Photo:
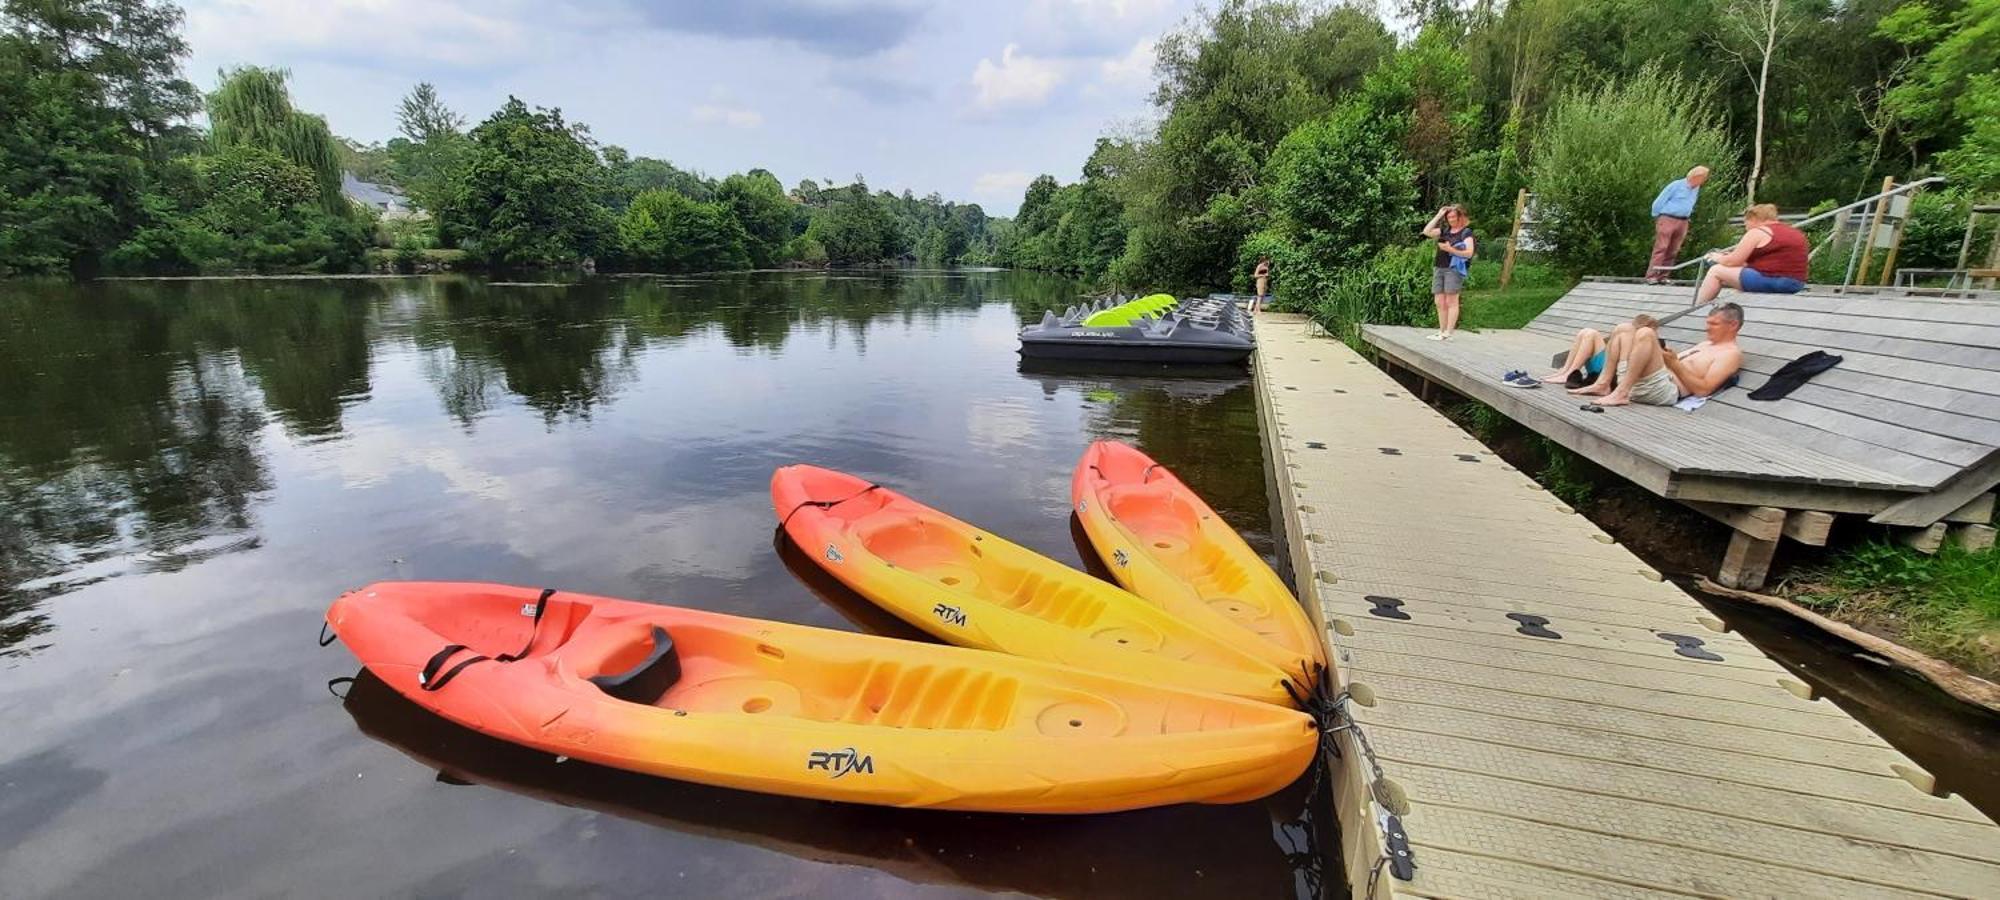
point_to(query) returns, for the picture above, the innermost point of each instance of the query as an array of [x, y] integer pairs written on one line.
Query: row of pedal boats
[[1210, 330], [1054, 691]]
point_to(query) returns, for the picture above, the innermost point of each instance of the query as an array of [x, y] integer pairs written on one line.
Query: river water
[[190, 471]]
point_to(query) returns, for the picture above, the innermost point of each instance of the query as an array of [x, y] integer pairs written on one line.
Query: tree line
[[103, 170], [1313, 134]]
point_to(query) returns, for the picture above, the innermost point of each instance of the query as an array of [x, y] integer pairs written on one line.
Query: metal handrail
[[1801, 224], [1870, 199], [1812, 219]]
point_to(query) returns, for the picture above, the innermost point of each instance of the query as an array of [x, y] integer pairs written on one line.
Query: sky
[[970, 100]]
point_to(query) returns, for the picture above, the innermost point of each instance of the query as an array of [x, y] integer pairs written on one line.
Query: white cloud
[[1095, 27], [412, 34], [734, 117], [1008, 185], [1017, 80], [1100, 13], [1134, 68]]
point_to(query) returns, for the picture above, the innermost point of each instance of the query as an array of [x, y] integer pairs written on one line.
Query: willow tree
[[253, 107]]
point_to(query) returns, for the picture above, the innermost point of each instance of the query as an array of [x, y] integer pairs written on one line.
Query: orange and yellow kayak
[[970, 588], [1163, 543], [808, 712]]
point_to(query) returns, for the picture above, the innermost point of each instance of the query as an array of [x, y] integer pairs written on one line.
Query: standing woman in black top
[[1452, 231]]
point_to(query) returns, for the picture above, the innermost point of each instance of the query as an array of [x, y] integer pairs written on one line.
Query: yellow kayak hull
[[967, 587], [1163, 543]]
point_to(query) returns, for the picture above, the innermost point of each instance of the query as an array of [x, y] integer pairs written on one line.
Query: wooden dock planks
[[1599, 764]]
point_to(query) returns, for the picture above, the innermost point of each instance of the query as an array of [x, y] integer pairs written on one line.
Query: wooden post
[[1875, 224], [1992, 255], [1747, 562], [1926, 540], [1973, 538], [1896, 241], [1965, 245], [1514, 238]]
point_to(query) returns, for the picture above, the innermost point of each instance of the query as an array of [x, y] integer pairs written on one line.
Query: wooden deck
[[1906, 430], [1601, 763]]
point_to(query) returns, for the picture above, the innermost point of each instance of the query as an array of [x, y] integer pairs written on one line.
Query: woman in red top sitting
[[1770, 259]]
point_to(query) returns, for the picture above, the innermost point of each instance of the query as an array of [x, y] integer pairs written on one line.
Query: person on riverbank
[[1452, 230], [1591, 352], [1646, 373], [1671, 211], [1262, 275], [1772, 258]]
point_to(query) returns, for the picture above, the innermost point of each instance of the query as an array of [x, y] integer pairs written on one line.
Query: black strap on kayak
[[1142, 472], [430, 680], [326, 637], [825, 504], [541, 605]]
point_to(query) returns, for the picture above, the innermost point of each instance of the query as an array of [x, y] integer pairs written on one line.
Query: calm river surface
[[191, 471]]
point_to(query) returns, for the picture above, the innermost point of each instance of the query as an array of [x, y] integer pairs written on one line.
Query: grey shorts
[[1446, 280], [1656, 389]]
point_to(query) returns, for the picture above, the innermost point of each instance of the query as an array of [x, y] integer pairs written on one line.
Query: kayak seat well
[[641, 670], [1170, 528], [1156, 515], [931, 551]]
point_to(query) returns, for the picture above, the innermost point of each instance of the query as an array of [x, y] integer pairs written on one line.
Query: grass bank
[[1946, 605], [1484, 304]]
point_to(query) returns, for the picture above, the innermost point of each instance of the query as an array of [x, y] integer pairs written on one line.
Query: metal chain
[[1337, 714], [1374, 875]]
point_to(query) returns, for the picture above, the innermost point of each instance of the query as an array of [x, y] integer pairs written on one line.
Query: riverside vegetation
[[1305, 131], [103, 171]]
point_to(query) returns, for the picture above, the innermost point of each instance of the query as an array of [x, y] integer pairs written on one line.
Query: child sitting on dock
[[1591, 349]]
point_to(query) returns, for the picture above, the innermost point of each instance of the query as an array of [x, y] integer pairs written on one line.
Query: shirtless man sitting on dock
[[1638, 371]]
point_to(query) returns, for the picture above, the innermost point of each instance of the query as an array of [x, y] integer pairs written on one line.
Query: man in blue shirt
[[1671, 211]]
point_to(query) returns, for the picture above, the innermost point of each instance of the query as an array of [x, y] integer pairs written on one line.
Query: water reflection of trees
[[128, 428], [553, 346], [133, 409], [1203, 428], [305, 342], [567, 349]]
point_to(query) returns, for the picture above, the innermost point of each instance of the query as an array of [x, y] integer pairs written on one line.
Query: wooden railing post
[[1896, 240], [1513, 238], [1874, 225]]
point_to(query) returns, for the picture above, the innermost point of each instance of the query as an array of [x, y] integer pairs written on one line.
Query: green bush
[[528, 191], [664, 231], [1975, 162], [1340, 191], [1392, 289], [244, 209], [1936, 228], [403, 231], [1604, 153], [1570, 477]]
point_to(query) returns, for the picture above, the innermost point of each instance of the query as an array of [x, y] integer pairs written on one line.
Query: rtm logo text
[[951, 615], [840, 762]]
